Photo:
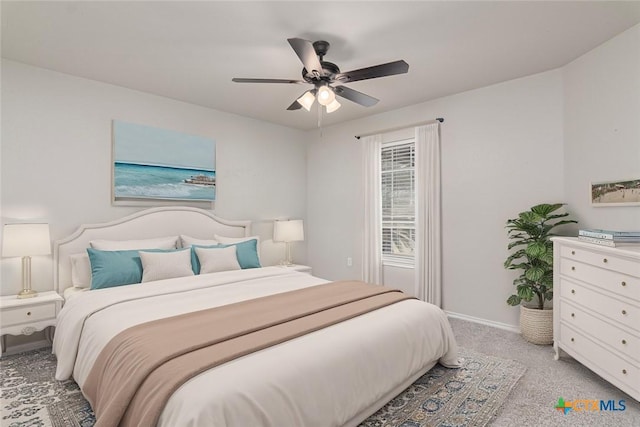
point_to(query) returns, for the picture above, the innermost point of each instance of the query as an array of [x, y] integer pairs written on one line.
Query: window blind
[[398, 200]]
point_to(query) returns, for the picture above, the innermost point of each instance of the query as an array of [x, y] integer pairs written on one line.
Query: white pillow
[[213, 260], [228, 240], [188, 241], [165, 265], [170, 242], [80, 270]]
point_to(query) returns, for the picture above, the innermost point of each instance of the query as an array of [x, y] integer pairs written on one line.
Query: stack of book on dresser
[[609, 237]]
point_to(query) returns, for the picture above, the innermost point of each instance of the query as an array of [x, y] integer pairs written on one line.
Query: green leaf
[[522, 265], [513, 300], [545, 209], [534, 274], [536, 250], [547, 281], [525, 292], [514, 244], [547, 258]]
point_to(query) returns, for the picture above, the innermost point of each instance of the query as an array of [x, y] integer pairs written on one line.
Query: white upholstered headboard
[[146, 224]]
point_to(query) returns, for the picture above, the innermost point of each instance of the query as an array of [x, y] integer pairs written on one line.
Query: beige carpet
[[532, 402]]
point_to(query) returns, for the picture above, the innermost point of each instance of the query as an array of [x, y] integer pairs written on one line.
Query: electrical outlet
[[349, 261]]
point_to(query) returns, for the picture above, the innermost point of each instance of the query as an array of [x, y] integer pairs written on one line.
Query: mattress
[[332, 377]]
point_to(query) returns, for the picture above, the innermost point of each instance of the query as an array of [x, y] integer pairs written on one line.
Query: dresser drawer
[[621, 370], [621, 284], [17, 315], [601, 259], [623, 312], [613, 337]]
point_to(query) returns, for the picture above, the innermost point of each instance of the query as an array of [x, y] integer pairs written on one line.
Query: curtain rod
[[428, 122]]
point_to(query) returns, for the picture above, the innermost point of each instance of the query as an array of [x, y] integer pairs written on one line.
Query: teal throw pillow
[[117, 268], [114, 268]]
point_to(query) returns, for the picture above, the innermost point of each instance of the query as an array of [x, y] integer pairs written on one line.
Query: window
[[398, 200]]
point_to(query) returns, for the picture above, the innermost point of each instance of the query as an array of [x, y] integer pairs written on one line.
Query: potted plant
[[530, 235]]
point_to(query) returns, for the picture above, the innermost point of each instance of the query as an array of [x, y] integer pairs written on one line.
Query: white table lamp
[[288, 231], [25, 240]]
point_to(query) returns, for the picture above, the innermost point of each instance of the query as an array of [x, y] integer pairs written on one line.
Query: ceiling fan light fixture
[[333, 106], [306, 100], [323, 74], [326, 95]]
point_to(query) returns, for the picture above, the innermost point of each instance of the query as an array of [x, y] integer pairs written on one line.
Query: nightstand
[[298, 267], [26, 316]]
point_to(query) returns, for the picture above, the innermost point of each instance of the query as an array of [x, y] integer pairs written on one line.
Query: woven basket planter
[[536, 325]]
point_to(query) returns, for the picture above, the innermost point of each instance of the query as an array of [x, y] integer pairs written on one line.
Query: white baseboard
[[19, 348], [486, 322]]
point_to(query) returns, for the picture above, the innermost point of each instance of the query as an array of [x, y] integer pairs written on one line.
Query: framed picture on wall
[[154, 166], [616, 193]]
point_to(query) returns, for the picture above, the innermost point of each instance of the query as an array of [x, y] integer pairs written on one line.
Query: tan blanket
[[138, 371]]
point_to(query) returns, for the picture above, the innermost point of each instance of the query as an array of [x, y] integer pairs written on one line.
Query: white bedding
[[333, 377]]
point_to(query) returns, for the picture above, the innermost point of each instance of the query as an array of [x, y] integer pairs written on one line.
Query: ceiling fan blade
[[307, 54], [382, 70], [241, 80], [355, 96], [295, 106]]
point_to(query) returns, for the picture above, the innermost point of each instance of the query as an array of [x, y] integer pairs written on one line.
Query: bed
[[334, 376]]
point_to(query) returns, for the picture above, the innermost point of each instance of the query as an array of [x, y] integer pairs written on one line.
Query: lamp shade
[[306, 100], [325, 95], [333, 106], [25, 240], [288, 231]]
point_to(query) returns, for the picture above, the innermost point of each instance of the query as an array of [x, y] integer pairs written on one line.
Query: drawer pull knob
[[573, 268], [573, 291], [573, 315], [624, 371], [624, 311], [572, 339], [624, 341], [28, 313], [624, 283], [604, 260], [573, 252]]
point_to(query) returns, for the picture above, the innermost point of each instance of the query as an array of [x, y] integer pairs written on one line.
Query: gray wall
[[505, 147], [602, 127], [492, 142], [56, 159]]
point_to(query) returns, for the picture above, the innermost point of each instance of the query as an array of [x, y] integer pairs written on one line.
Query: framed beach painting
[[616, 193], [154, 166]]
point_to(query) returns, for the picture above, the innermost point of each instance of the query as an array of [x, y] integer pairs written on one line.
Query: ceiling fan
[[323, 75]]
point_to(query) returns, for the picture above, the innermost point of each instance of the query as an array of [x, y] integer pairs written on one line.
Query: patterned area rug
[[468, 396]]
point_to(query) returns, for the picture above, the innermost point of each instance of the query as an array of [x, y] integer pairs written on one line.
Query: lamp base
[[27, 293], [285, 263]]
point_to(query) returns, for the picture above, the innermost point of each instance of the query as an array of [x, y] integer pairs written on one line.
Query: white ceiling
[[189, 51]]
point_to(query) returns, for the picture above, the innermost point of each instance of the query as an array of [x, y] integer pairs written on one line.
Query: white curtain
[[428, 246], [372, 241]]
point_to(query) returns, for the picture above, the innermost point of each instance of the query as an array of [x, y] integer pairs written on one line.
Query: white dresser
[[596, 309]]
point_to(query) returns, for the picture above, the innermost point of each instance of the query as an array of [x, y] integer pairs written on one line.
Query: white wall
[[602, 127], [501, 154], [56, 158]]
